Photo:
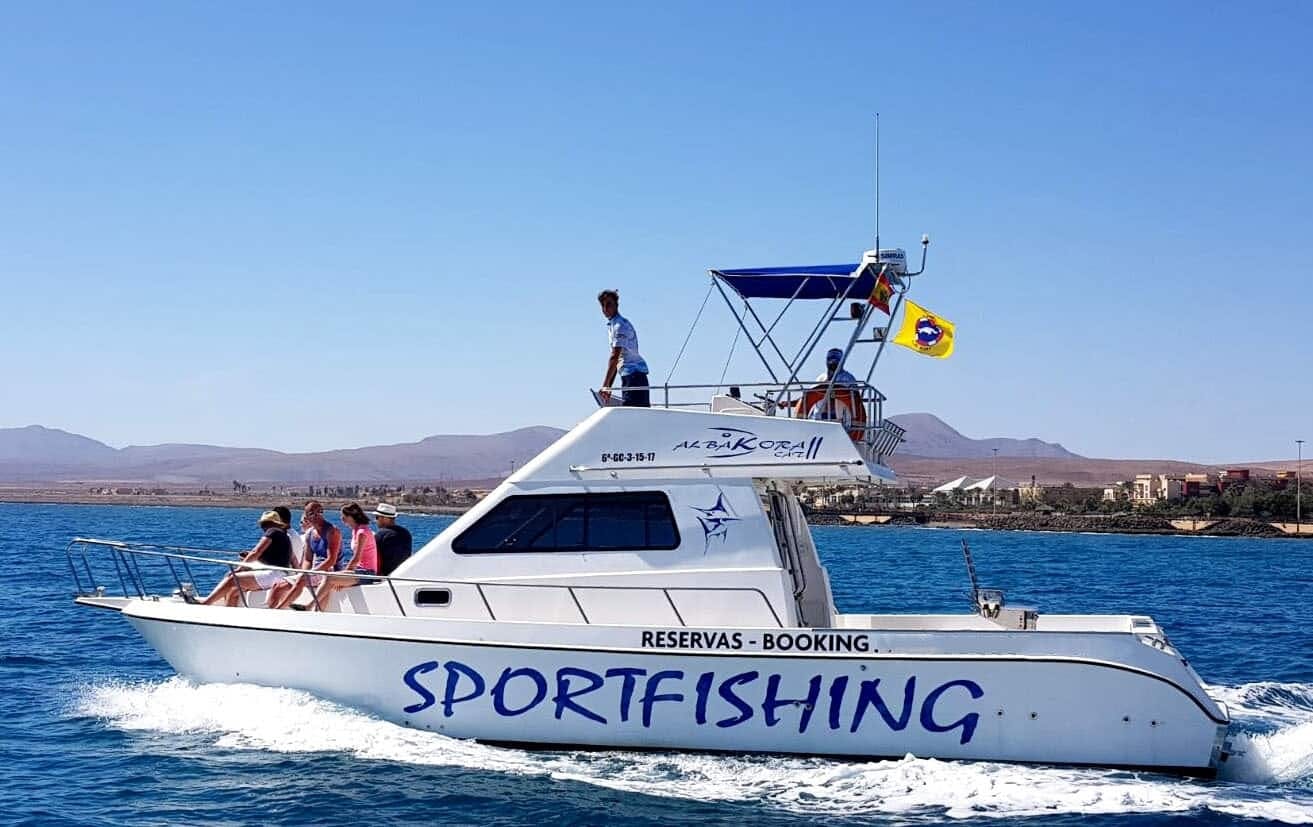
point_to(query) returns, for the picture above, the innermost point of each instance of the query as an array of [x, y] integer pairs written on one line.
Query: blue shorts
[[636, 393]]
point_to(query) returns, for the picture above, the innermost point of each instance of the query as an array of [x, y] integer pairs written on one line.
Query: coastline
[[254, 501], [1016, 521], [1077, 524]]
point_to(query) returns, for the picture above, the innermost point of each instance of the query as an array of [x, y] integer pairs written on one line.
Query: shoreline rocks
[[1094, 523]]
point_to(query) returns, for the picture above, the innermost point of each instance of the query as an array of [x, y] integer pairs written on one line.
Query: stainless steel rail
[[880, 436], [126, 555]]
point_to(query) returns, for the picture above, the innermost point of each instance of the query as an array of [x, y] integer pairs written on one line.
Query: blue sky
[[317, 225]]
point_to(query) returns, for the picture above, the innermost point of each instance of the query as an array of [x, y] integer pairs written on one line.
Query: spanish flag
[[924, 332], [881, 293]]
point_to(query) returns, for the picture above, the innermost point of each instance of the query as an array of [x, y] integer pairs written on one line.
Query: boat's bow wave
[[1275, 747]]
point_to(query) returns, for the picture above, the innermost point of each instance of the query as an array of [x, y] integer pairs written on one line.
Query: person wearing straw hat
[[274, 549], [323, 542], [394, 541]]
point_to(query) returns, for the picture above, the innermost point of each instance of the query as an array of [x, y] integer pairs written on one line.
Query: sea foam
[[1268, 776]]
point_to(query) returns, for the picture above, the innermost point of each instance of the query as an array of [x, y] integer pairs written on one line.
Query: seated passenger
[[296, 537], [274, 549], [832, 373], [841, 379], [364, 555], [393, 541], [324, 543]]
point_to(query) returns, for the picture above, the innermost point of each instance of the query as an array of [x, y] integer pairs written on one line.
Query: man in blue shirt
[[625, 359]]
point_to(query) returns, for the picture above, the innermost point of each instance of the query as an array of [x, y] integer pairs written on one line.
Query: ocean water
[[95, 729]]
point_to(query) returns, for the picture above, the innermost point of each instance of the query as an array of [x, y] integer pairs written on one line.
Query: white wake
[[1269, 777]]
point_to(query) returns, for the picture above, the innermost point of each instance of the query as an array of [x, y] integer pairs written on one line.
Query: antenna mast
[[877, 186]]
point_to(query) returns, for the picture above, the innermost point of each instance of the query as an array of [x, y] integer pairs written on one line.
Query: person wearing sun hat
[[274, 549], [394, 541]]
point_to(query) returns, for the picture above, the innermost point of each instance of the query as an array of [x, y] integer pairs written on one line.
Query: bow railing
[[170, 571]]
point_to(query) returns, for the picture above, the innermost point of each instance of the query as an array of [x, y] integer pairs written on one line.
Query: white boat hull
[[998, 707]]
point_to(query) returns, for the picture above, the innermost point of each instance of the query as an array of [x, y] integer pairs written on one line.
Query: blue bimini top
[[816, 281]]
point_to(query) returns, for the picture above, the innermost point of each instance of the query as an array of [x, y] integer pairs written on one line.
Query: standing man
[[625, 359], [394, 542]]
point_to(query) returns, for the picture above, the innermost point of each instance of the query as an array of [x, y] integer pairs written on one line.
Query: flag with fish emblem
[[924, 332], [881, 293]]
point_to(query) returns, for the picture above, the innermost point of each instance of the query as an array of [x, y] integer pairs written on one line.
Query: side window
[[633, 521], [517, 523], [616, 524]]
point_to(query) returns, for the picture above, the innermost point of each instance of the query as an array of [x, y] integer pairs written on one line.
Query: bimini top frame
[[830, 286]]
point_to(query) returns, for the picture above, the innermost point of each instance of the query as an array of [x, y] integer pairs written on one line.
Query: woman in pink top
[[364, 555]]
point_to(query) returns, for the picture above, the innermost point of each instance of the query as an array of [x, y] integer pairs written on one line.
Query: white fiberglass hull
[[871, 704]]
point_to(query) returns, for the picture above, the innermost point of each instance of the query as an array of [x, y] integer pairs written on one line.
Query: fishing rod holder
[[992, 604]]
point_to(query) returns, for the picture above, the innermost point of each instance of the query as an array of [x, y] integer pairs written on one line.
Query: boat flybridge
[[649, 581]]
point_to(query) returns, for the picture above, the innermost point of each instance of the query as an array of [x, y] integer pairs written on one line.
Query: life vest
[[846, 407]]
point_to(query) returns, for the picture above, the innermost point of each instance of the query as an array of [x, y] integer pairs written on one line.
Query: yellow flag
[[924, 332]]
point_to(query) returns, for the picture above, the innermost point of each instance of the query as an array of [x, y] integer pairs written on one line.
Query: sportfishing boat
[[650, 581]]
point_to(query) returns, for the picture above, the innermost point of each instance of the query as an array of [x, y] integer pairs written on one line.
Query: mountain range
[[931, 437], [39, 454]]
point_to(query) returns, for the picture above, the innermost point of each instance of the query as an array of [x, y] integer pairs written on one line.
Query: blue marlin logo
[[715, 521]]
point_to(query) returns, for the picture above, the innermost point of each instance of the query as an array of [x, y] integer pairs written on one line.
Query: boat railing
[[174, 573], [879, 436]]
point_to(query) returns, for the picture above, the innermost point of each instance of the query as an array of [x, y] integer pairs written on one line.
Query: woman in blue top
[[323, 540]]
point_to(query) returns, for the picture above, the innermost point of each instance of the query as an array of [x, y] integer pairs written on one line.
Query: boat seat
[[721, 403]]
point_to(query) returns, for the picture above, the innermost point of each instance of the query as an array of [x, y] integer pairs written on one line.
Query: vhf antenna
[[877, 187]]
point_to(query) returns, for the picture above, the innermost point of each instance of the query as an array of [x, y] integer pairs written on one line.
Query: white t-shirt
[[621, 334], [843, 377], [298, 548]]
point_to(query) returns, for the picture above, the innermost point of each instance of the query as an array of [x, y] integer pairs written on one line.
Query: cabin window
[[629, 521]]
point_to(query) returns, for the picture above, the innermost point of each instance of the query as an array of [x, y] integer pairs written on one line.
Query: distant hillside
[[50, 446], [931, 437], [934, 452], [35, 454]]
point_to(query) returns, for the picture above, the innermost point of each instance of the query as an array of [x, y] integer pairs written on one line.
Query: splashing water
[[1273, 748], [1274, 744]]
